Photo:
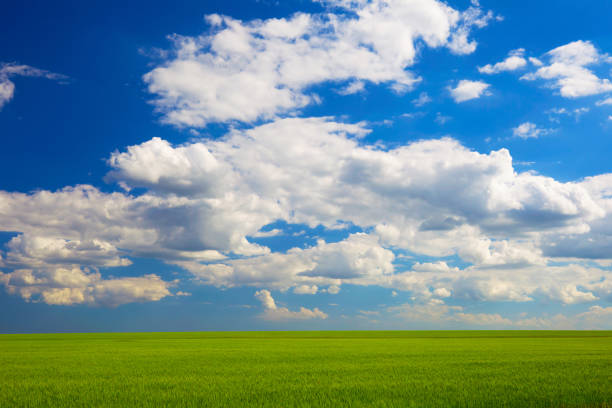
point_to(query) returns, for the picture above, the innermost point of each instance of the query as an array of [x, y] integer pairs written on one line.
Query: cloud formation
[[568, 70], [515, 60], [274, 312], [358, 258], [8, 70], [430, 221], [201, 203], [277, 60], [423, 99], [73, 285], [467, 90], [528, 130]]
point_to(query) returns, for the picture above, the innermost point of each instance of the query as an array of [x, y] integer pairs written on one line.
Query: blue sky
[[332, 164]]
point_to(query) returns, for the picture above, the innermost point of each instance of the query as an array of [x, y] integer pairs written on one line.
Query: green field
[[288, 369]]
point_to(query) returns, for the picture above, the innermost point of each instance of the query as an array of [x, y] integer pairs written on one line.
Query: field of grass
[[303, 369]]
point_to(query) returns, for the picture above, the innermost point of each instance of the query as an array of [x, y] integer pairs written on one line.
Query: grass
[[304, 369]]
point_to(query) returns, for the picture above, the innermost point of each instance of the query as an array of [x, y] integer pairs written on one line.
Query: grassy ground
[[303, 369]]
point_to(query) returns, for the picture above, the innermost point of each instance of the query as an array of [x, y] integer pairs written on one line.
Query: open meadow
[[302, 369]]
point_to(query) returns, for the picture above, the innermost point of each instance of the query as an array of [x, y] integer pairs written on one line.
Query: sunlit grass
[[302, 369]]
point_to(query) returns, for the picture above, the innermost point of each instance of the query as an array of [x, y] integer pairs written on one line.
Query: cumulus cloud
[[306, 290], [528, 130], [467, 90], [69, 286], [569, 284], [437, 312], [596, 312], [515, 60], [33, 251], [568, 70], [518, 236], [342, 179], [358, 258], [442, 292], [274, 312], [8, 70], [199, 203], [50, 270], [277, 60], [596, 242]]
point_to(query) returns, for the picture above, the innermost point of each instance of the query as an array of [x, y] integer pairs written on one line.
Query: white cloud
[[35, 251], [423, 99], [332, 290], [267, 234], [358, 258], [568, 71], [353, 88], [569, 284], [569, 294], [306, 290], [528, 130], [536, 61], [439, 266], [202, 200], [442, 292], [607, 101], [278, 59], [7, 87], [514, 61], [596, 312], [68, 286], [596, 242], [211, 195], [578, 53], [467, 90], [273, 312], [437, 312], [266, 299]]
